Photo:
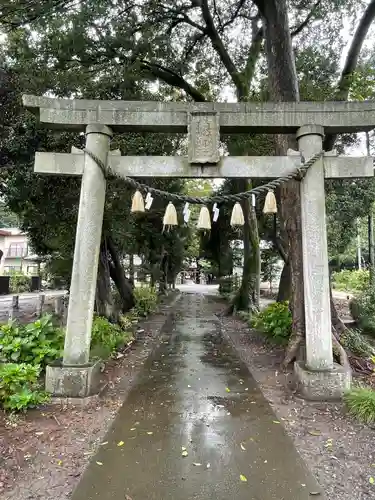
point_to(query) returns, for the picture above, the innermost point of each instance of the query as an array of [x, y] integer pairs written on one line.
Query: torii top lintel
[[267, 117]]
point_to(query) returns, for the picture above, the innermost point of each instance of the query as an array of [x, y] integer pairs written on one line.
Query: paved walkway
[[195, 398]]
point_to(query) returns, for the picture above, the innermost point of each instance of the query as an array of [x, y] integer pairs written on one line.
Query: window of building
[[17, 249], [32, 269], [10, 269]]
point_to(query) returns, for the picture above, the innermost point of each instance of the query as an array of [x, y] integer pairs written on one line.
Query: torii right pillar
[[319, 378]]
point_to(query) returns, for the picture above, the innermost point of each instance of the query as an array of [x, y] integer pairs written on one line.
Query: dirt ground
[[43, 454], [338, 450]]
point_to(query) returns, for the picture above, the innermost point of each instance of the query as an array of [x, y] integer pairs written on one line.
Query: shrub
[[353, 340], [361, 404], [19, 388], [38, 343], [275, 321], [146, 299], [19, 283], [347, 280], [363, 310], [106, 337], [228, 285]]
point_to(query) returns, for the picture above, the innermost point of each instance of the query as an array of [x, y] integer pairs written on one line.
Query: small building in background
[[17, 254]]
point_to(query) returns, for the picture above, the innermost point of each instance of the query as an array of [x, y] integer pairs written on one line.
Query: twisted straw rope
[[299, 173]]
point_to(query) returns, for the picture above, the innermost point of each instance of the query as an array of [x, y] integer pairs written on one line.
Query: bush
[[106, 337], [146, 299], [19, 283], [363, 310], [354, 281], [37, 343], [228, 285], [353, 340], [361, 404], [19, 388], [275, 321]]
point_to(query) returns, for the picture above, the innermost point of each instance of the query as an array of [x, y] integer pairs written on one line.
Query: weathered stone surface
[[40, 304], [322, 385], [203, 137], [315, 254], [86, 251], [265, 167], [284, 117], [73, 381]]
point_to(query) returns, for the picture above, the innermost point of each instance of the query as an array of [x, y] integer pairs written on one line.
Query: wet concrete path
[[195, 398]]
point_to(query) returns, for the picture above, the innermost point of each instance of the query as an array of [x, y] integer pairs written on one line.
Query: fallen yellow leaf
[[243, 478], [314, 433], [184, 453], [99, 463], [242, 447], [120, 443], [150, 433], [196, 464], [133, 429], [276, 422], [183, 448], [227, 389], [372, 480], [59, 462]]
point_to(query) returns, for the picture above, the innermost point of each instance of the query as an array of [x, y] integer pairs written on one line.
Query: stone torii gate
[[319, 376]]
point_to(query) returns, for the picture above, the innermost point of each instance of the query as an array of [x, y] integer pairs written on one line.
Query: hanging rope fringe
[[270, 204], [237, 218], [296, 174], [138, 204], [204, 221], [170, 216]]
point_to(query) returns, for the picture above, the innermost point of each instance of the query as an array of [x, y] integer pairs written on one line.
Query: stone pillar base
[[73, 381], [322, 385]]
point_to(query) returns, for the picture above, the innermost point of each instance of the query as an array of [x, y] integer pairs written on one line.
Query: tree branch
[[221, 51], [351, 62], [295, 31], [171, 78]]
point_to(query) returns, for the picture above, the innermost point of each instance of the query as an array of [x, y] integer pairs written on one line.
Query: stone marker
[[14, 307], [319, 378], [40, 305]]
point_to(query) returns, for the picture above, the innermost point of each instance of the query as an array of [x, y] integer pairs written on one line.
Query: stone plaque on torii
[[320, 377]]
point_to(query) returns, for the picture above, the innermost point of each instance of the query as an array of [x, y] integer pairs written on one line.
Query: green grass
[[361, 404]]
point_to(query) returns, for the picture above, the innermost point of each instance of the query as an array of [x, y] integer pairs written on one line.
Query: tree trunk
[[247, 297], [117, 273], [103, 298], [283, 86], [285, 284], [131, 269]]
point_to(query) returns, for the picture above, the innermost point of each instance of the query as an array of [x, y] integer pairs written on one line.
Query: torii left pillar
[[77, 377]]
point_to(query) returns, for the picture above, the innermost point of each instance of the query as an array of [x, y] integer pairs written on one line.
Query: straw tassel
[[204, 221], [138, 204], [237, 218], [270, 205], [170, 216]]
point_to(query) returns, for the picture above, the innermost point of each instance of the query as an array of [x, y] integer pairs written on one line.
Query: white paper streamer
[[149, 200]]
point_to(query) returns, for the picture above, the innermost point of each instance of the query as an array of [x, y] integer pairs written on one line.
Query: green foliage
[[353, 340], [228, 285], [363, 310], [275, 320], [146, 299], [361, 404], [19, 282], [351, 280], [37, 343], [19, 386], [106, 337]]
